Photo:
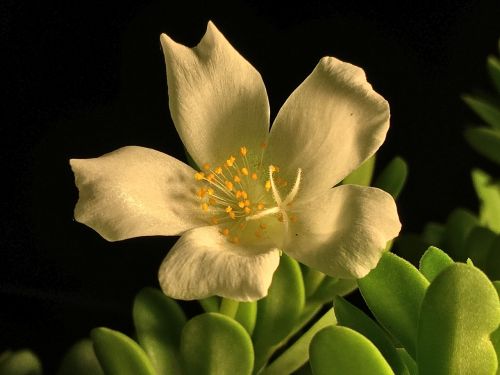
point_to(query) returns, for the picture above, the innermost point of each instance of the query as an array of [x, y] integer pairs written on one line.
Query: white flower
[[259, 192]]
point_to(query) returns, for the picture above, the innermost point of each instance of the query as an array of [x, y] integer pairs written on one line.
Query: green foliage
[[393, 178], [80, 359], [158, 322], [214, 344], [363, 174], [485, 141], [488, 193], [433, 262], [247, 315], [341, 350], [21, 362]]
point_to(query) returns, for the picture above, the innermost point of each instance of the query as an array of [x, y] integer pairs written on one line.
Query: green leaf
[[118, 354], [495, 340], [278, 313], [458, 226], [433, 262], [80, 359], [341, 350], [158, 322], [298, 353], [433, 233], [331, 287], [352, 317], [21, 362], [213, 344], [485, 141], [394, 291], [409, 362], [210, 304], [392, 179], [496, 284], [493, 65], [363, 174], [459, 312], [489, 197], [312, 279], [478, 244], [247, 315], [484, 109]]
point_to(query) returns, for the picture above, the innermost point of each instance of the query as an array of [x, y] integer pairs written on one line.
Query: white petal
[[217, 100], [329, 125], [203, 263], [343, 233], [136, 191]]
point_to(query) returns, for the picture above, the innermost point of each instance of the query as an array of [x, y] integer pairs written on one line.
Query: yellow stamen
[[247, 203], [229, 185], [260, 206], [225, 232], [247, 210], [243, 151], [198, 176], [210, 191], [230, 161], [268, 185], [229, 209], [238, 194], [254, 176], [232, 215], [237, 179], [204, 206], [201, 193], [244, 171], [211, 177], [241, 204], [218, 170], [244, 194], [206, 166]]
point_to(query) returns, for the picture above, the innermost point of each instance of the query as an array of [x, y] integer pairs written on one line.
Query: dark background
[[84, 78]]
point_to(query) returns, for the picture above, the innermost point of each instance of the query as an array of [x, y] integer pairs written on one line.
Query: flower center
[[242, 197]]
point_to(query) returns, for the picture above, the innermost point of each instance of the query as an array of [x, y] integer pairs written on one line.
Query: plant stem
[[229, 307]]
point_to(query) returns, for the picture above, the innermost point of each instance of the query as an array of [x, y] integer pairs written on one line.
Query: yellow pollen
[[229, 185], [225, 232], [263, 226], [218, 170], [247, 203], [229, 209], [241, 204], [273, 168], [260, 206], [247, 210], [237, 179], [244, 194], [238, 194], [244, 171], [206, 166], [204, 206], [201, 193], [230, 161], [232, 215], [210, 191], [243, 151], [268, 185], [254, 176], [198, 176], [210, 177]]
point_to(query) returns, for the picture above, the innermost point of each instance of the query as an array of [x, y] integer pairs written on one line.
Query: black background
[[83, 78]]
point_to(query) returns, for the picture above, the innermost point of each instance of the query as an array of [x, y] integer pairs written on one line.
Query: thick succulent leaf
[[363, 174], [278, 313], [80, 359], [433, 262], [433, 233], [298, 353], [213, 344], [341, 350], [458, 226], [411, 365], [118, 354], [493, 65], [489, 196], [350, 316], [459, 312], [478, 245], [495, 339], [331, 287], [158, 322], [485, 141], [394, 291], [21, 362], [489, 112], [247, 315], [392, 179], [210, 304]]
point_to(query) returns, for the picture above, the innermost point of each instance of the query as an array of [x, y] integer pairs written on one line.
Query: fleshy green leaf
[[493, 65], [80, 359], [409, 362], [352, 317], [247, 315], [458, 226], [213, 344], [158, 322], [394, 291], [484, 109], [496, 284], [331, 287], [485, 141], [363, 174], [489, 196], [478, 244], [341, 350], [392, 179], [459, 312], [433, 262], [298, 353], [118, 354], [433, 233], [210, 304], [21, 362], [278, 313]]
